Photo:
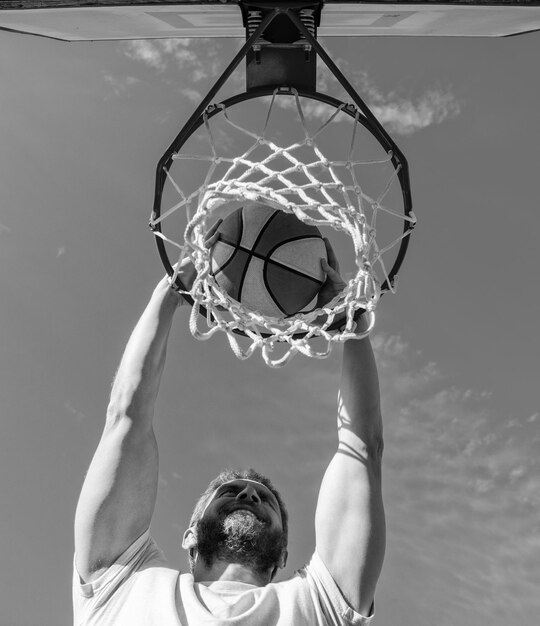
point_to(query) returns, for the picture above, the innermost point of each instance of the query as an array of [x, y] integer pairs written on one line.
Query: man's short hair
[[247, 474]]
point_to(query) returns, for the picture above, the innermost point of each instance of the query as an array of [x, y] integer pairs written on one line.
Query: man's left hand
[[334, 284]]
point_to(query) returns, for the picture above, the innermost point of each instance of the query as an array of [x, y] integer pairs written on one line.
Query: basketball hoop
[[234, 152]]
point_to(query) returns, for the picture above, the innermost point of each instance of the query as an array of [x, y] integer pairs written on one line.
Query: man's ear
[[189, 540], [281, 564]]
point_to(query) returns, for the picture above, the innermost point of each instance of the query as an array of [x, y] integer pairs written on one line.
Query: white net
[[234, 165]]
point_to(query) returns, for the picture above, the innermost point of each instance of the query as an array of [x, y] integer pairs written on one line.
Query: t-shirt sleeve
[[141, 554], [332, 602]]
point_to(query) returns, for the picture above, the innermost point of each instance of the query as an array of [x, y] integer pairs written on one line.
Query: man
[[237, 539]]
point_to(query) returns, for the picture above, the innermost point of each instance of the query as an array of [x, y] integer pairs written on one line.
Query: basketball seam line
[[243, 278], [263, 228], [276, 301], [251, 254], [230, 259], [272, 295], [292, 269]]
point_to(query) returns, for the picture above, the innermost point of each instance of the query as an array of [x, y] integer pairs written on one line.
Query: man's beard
[[240, 538]]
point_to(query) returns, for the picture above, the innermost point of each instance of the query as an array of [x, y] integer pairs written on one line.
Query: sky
[[82, 128]]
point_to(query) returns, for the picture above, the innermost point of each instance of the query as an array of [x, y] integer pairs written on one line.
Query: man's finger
[[212, 235], [211, 241], [328, 269], [332, 259]]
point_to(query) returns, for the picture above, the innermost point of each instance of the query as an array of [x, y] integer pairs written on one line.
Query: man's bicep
[[117, 498], [350, 525]]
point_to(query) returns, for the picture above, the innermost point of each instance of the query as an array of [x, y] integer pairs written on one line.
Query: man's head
[[240, 518]]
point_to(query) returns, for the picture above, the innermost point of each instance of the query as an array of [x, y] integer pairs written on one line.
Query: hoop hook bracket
[[281, 55]]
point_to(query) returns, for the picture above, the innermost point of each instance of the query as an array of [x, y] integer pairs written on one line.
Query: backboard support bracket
[[281, 55]]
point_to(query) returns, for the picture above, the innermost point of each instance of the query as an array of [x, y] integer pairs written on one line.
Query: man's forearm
[[359, 397], [119, 492], [349, 523], [137, 381]]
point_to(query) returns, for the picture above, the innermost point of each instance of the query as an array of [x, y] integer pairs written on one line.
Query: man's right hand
[[187, 272]]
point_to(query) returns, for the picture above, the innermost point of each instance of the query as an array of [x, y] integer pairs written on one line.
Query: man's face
[[241, 523]]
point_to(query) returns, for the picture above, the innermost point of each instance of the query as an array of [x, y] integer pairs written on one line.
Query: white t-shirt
[[140, 589]]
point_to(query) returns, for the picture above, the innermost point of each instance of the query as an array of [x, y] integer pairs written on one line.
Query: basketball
[[269, 261]]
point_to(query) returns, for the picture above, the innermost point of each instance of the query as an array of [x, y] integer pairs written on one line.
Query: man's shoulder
[[141, 561], [140, 583]]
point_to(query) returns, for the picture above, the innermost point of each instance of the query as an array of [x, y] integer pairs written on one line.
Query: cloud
[[196, 59], [400, 113], [145, 52], [163, 54], [455, 429], [404, 117], [200, 61], [462, 488], [78, 415], [120, 85], [192, 95], [4, 229]]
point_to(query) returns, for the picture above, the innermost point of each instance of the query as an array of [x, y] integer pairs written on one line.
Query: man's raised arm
[[350, 525], [119, 493]]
